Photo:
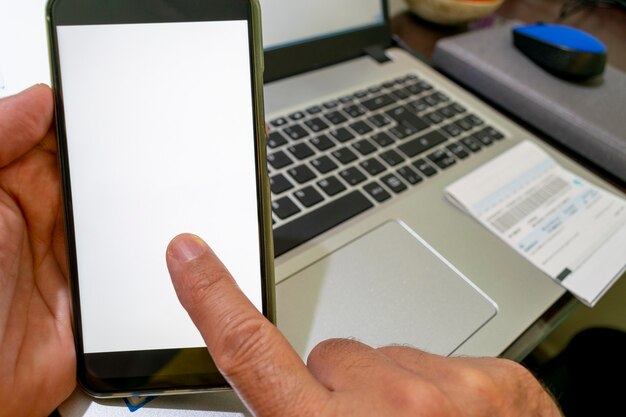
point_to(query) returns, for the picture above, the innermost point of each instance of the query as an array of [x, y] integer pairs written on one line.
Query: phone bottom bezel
[[151, 372]]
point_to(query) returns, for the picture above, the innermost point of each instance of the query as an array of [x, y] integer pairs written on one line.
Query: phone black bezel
[[113, 370]]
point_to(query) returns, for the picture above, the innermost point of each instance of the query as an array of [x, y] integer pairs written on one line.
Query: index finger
[[251, 353]]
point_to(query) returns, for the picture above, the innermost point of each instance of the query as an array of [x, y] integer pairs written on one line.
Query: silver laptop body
[[328, 284]]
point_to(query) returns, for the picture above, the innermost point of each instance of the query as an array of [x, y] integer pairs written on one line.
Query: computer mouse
[[562, 50]]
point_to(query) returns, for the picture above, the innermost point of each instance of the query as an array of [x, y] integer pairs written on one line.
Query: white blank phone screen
[[159, 122]]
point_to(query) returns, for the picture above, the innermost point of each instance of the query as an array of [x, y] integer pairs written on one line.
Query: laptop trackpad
[[386, 287]]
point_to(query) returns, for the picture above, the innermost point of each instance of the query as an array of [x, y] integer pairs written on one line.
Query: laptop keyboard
[[333, 161]]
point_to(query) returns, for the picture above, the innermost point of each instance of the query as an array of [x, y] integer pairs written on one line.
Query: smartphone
[[159, 114]]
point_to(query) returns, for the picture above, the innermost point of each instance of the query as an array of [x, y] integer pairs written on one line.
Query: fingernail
[[186, 248]]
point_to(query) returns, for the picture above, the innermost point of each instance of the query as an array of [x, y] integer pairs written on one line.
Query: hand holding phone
[[37, 359], [160, 127]]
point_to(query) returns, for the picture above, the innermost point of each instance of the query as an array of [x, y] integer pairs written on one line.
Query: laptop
[[363, 138]]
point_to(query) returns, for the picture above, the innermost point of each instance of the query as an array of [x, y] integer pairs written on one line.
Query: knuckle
[[410, 394], [244, 345], [477, 381], [327, 348], [200, 284]]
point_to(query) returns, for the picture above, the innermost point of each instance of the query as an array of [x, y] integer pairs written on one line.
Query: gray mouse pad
[[386, 287]]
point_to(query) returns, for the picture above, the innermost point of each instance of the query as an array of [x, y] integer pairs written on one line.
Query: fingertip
[[185, 248]]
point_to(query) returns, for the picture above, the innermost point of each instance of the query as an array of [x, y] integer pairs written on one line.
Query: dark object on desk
[[578, 377], [585, 117], [562, 50]]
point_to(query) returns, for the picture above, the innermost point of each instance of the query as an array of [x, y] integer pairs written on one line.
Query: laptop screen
[[290, 22]]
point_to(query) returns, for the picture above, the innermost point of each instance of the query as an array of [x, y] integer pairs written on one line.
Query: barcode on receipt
[[533, 200]]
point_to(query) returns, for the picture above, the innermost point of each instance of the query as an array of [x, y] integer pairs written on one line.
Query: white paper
[[572, 230]]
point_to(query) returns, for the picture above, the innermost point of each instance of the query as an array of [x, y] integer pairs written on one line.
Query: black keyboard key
[[342, 134], [378, 102], [431, 100], [472, 144], [458, 150], [388, 84], [373, 166], [352, 176], [402, 132], [493, 133], [393, 183], [326, 217], [474, 120], [323, 164], [379, 120], [442, 159], [275, 139], [344, 155], [438, 155], [465, 124], [302, 174], [280, 184], [364, 147], [401, 94], [377, 192], [331, 104], [413, 89], [297, 116], [441, 97], [374, 89], [392, 157], [458, 108], [434, 117], [354, 110], [382, 139], [308, 196], [406, 118], [314, 110], [360, 94], [296, 132], [423, 167], [284, 208], [453, 129], [483, 137], [335, 117], [424, 86], [331, 186], [423, 143], [346, 99], [447, 112], [281, 121], [316, 124], [445, 162], [301, 150], [409, 175], [279, 160], [322, 142], [418, 106], [361, 127]]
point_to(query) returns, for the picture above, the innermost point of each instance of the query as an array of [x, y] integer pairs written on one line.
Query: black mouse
[[562, 50]]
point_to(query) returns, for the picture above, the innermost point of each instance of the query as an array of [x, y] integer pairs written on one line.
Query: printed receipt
[[572, 230]]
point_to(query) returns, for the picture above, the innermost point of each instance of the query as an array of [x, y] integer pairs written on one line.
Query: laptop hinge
[[378, 53]]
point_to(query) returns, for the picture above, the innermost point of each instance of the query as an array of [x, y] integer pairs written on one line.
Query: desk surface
[[607, 24]]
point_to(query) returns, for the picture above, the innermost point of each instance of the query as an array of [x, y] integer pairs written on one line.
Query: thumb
[[250, 352], [25, 119]]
